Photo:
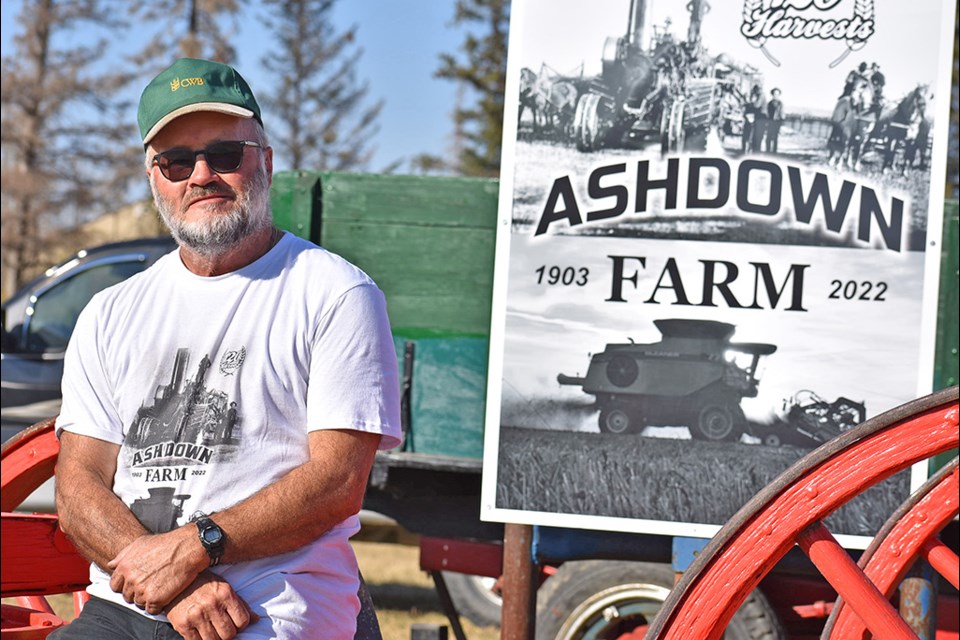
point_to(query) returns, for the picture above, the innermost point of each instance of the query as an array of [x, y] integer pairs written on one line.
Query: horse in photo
[[897, 128], [528, 96], [916, 146], [849, 124], [557, 101]]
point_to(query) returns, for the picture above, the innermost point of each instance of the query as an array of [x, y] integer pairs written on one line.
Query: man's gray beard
[[215, 236]]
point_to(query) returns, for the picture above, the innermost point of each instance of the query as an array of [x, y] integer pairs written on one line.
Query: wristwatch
[[211, 537]]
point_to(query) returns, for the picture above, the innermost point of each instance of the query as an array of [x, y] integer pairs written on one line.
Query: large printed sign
[[718, 248]]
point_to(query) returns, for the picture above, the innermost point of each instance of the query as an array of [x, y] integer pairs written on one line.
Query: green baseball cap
[[190, 85]]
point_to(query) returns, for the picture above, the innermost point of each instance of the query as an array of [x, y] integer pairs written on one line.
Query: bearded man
[[222, 409]]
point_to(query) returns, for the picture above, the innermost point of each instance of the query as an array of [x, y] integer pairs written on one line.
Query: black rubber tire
[[474, 599], [572, 602], [718, 421], [772, 440], [755, 620], [617, 418]]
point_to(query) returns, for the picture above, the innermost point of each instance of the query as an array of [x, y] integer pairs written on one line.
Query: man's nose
[[202, 172]]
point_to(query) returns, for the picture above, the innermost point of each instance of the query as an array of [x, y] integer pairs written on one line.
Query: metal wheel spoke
[[852, 584]]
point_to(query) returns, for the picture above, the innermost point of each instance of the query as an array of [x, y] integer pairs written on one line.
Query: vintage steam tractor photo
[[667, 92], [684, 379]]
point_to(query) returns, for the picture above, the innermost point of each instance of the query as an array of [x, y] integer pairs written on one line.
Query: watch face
[[212, 535]]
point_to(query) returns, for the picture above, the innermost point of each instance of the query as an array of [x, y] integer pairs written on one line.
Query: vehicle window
[[56, 310]]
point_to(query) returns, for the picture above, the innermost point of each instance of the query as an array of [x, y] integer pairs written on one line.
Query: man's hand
[[154, 569], [209, 609]]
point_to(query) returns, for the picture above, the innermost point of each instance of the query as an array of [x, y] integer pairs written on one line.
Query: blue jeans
[[108, 621]]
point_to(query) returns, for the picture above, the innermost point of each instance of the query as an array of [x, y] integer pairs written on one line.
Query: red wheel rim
[[790, 510]]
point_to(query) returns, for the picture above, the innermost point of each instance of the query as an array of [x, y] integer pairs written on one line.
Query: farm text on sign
[[718, 276]]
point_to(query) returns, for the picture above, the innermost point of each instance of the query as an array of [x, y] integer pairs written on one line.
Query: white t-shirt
[[210, 385]]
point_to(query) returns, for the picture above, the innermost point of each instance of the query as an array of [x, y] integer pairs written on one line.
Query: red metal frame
[[792, 508], [462, 556], [46, 561]]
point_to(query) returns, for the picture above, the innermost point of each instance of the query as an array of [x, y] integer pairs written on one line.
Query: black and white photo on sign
[[610, 77], [719, 219]]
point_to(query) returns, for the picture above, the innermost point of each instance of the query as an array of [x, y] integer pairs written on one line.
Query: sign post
[[519, 584]]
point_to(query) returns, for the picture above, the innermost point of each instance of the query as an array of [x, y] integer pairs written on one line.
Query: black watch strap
[[211, 537]]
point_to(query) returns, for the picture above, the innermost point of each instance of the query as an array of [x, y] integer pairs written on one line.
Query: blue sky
[[401, 40]]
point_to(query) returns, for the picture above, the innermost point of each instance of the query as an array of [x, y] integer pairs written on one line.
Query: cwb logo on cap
[[176, 83], [190, 85]]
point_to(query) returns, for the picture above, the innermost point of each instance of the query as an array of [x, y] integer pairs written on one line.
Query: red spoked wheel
[[38, 560], [790, 511], [29, 459], [910, 533]]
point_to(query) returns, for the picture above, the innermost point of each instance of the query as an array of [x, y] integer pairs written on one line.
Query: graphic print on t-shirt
[[186, 424]]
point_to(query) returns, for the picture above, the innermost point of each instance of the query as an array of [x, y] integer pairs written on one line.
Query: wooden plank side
[[419, 200], [406, 315], [411, 257], [428, 243], [294, 199], [449, 387], [438, 279], [947, 367], [37, 557], [436, 299]]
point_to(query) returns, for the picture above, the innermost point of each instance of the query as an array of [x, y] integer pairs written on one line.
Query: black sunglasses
[[177, 164]]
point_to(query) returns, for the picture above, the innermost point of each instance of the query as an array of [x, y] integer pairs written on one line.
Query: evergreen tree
[[66, 148], [185, 29], [483, 70], [319, 103]]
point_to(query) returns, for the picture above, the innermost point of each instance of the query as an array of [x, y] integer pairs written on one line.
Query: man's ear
[[147, 166], [268, 163]]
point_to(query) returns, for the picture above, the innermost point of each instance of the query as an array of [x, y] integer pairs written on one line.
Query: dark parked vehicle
[[39, 318]]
